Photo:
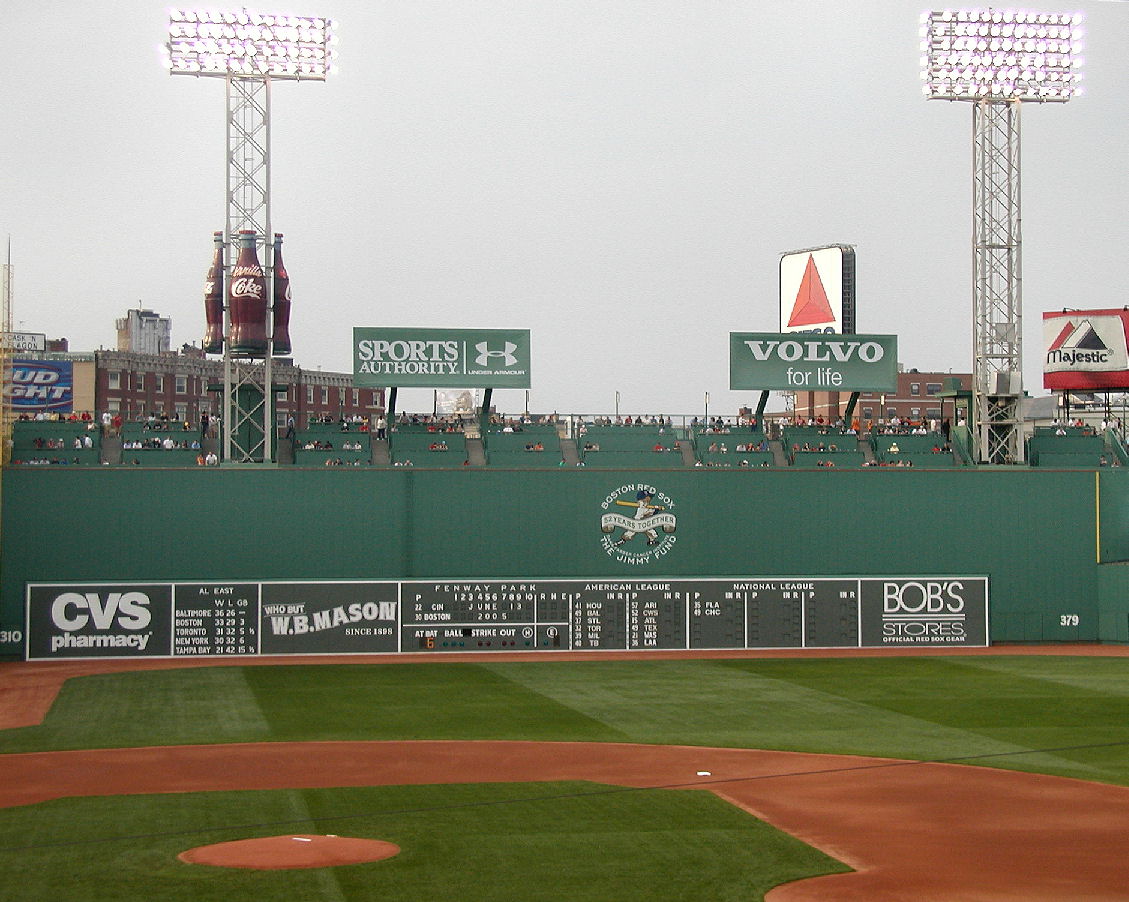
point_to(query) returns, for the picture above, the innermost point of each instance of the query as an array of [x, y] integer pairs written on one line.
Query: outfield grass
[[562, 841], [1056, 715]]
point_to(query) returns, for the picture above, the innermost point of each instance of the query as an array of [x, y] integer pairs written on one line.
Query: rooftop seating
[[756, 459], [1070, 460], [1076, 449], [51, 442], [626, 438], [837, 459], [919, 459], [426, 449], [669, 459], [319, 448], [533, 448]]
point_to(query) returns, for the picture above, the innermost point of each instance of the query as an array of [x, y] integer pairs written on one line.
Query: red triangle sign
[[812, 307], [1066, 332]]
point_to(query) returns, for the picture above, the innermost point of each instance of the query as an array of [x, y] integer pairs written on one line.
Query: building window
[[868, 413], [356, 397], [933, 413], [376, 399], [325, 395], [891, 412], [139, 381], [932, 388], [914, 412], [159, 384], [114, 405], [182, 385], [915, 388], [113, 381], [309, 394], [182, 413]]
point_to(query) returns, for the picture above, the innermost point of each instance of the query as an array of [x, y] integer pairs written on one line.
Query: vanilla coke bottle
[[281, 302], [247, 302], [213, 299]]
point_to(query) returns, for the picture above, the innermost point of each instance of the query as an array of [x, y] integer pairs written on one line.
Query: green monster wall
[[1036, 534]]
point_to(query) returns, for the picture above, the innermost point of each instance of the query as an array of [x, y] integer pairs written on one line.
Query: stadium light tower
[[249, 50], [998, 60]]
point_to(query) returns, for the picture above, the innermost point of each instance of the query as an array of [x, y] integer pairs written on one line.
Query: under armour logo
[[484, 353]]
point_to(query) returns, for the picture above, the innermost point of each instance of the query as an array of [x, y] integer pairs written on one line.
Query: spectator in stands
[[381, 427]]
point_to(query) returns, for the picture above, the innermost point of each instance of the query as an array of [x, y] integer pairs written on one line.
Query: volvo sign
[[792, 362]]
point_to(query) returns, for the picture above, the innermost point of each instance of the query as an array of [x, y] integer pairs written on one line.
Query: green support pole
[[849, 415], [761, 405], [484, 412]]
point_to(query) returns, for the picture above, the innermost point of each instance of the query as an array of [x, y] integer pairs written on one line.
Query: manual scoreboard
[[212, 618]]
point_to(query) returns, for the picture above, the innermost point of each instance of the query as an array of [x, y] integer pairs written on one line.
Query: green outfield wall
[[1052, 543]]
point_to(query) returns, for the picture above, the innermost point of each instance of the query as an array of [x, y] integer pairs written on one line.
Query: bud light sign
[[42, 385], [926, 610]]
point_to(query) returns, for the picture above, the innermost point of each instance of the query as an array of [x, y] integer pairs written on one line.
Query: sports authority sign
[[790, 362], [441, 358], [228, 619], [817, 290], [1086, 350]]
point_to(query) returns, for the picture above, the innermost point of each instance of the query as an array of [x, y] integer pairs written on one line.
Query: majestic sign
[[817, 290], [441, 358], [1086, 350], [790, 362], [218, 618], [46, 385]]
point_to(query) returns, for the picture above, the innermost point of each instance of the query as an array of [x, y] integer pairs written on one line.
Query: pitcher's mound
[[273, 853]]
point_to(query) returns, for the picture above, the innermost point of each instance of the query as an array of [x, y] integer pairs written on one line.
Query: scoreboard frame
[[246, 618]]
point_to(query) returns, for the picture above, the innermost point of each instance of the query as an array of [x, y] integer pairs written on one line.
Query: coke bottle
[[281, 302], [213, 299], [247, 301]]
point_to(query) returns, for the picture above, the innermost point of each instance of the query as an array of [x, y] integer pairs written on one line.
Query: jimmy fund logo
[[638, 524]]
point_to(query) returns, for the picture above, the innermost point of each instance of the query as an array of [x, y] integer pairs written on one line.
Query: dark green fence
[[1034, 533]]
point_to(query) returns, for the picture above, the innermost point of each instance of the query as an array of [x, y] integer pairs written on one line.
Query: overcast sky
[[618, 176]]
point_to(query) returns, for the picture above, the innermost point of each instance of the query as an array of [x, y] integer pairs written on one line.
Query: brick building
[[917, 396], [183, 385]]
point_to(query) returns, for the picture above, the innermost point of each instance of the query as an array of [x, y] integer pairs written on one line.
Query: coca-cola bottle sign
[[247, 301]]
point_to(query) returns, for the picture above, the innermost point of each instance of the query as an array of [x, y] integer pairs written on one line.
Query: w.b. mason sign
[[805, 362]]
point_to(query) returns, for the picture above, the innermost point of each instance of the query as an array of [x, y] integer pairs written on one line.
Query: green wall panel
[[1032, 532]]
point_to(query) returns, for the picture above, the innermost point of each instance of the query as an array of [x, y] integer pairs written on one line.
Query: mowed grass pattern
[[1059, 715], [1001, 711], [485, 842]]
